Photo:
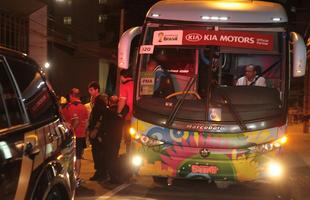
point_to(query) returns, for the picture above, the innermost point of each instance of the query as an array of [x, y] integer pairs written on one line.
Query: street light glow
[[47, 65], [276, 19], [155, 15]]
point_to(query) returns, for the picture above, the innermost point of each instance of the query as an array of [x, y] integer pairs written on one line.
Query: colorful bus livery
[[189, 154], [193, 116]]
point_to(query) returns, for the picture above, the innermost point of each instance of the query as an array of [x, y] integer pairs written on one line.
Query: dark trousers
[[112, 157], [113, 145], [99, 156], [126, 135]]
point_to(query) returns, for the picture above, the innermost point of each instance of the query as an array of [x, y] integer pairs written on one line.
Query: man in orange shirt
[[76, 114]]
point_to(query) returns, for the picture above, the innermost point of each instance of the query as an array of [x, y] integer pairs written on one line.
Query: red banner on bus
[[228, 38]]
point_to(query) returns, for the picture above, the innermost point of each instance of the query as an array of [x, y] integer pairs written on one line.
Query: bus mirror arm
[[299, 54], [124, 46]]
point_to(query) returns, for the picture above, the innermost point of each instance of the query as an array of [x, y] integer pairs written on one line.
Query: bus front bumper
[[154, 161]]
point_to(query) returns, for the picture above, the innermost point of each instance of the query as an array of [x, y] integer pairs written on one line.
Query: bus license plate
[[203, 169]]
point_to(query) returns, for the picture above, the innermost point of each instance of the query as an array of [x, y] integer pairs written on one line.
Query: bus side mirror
[[124, 46], [299, 56]]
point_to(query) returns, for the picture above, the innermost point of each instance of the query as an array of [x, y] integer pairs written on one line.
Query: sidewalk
[[89, 188], [299, 142]]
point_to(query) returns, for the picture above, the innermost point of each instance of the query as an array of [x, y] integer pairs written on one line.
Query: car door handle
[[30, 150]]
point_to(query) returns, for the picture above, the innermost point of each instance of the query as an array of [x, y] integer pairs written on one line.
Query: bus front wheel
[[160, 180]]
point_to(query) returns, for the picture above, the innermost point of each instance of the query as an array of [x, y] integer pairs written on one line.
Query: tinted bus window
[[10, 99], [37, 98]]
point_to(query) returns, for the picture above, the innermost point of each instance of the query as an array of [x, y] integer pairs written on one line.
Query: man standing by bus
[[126, 98], [76, 114], [97, 133]]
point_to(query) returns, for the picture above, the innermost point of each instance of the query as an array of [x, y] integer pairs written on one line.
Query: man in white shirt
[[250, 77]]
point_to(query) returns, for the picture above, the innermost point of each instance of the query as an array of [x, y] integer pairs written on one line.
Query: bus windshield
[[195, 74]]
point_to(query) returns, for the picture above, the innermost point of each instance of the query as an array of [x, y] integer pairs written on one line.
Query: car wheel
[[55, 194]]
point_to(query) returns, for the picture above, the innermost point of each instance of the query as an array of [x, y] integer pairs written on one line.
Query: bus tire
[[160, 180], [223, 184]]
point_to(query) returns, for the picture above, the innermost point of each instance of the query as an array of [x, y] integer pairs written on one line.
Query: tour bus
[[192, 119]]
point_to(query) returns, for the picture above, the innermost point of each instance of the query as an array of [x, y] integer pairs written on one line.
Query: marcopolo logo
[[193, 37]]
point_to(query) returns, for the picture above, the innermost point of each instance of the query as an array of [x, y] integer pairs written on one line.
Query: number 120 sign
[[146, 49]]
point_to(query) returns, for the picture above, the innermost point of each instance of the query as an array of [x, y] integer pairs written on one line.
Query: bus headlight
[[262, 148], [148, 141], [279, 142], [136, 160], [134, 133], [274, 169]]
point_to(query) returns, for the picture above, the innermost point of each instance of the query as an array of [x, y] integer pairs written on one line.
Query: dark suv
[[36, 148]]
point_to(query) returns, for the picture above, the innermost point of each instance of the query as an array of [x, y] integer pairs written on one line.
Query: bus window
[[177, 64]]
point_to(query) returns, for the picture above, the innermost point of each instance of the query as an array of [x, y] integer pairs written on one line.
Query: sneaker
[[94, 178], [97, 177], [102, 178], [78, 182], [115, 181]]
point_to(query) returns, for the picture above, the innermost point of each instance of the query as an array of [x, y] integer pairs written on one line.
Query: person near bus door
[[114, 134], [97, 132], [76, 114], [126, 98]]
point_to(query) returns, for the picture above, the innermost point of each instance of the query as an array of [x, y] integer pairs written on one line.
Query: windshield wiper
[[265, 71], [233, 111], [180, 101]]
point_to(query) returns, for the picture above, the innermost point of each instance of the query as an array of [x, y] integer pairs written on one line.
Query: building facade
[[23, 28], [82, 44]]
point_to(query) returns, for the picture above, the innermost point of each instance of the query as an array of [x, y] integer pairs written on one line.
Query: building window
[[14, 31], [68, 20], [102, 18], [103, 1]]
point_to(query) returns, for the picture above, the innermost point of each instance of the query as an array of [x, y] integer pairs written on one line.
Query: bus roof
[[239, 11]]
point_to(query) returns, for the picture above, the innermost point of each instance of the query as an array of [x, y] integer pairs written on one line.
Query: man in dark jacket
[[97, 131], [114, 132]]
